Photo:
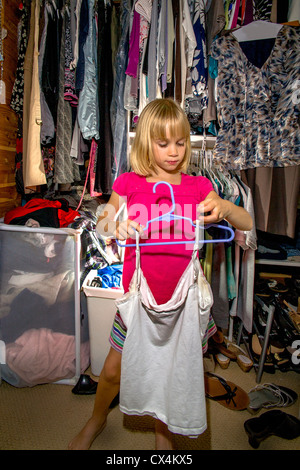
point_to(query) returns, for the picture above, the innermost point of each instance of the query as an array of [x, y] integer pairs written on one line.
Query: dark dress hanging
[[103, 179]]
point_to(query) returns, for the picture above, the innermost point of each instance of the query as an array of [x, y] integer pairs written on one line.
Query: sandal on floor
[[222, 360], [221, 348], [242, 358], [270, 395], [290, 395], [224, 392]]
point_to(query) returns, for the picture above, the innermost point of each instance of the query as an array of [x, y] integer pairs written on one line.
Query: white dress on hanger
[[162, 367]]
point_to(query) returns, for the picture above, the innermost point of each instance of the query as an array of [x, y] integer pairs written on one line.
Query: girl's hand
[[216, 207], [220, 209], [127, 229]]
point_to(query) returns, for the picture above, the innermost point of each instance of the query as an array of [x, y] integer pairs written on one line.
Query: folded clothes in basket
[[111, 276]]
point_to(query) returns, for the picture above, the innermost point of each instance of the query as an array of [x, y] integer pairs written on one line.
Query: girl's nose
[[173, 149]]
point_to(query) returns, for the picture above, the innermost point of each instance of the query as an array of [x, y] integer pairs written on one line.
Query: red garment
[[47, 213]]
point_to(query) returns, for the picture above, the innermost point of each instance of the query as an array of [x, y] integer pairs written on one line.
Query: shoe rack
[[283, 271]]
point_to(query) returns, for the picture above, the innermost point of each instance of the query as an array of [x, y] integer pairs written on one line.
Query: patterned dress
[[258, 104]]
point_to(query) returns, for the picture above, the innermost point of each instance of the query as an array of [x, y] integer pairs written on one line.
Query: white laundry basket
[[101, 312]]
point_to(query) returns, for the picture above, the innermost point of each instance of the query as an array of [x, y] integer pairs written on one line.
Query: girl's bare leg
[[163, 437], [108, 387]]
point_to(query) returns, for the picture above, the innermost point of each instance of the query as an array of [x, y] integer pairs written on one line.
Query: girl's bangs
[[176, 127]]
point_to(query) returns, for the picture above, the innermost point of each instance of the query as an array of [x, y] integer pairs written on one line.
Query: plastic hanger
[[257, 30], [168, 216]]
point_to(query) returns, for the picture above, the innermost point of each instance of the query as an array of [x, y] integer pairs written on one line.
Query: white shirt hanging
[[162, 367]]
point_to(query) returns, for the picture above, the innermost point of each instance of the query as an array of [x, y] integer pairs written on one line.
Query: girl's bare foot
[[87, 435]]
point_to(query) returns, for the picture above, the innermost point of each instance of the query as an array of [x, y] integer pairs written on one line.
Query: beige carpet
[[46, 417]]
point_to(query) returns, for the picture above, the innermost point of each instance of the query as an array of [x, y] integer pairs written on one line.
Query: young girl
[[160, 152]]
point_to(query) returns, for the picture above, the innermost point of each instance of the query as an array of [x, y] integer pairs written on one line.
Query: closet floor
[[46, 417]]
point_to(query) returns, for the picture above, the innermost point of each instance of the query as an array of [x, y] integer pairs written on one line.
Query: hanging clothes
[[70, 74], [245, 246], [268, 152], [215, 23], [199, 67], [104, 161], [229, 267], [117, 110], [33, 167], [144, 35], [66, 171], [50, 70], [88, 105], [152, 54], [275, 195], [16, 102], [162, 50], [294, 10], [257, 114], [188, 44], [93, 158], [48, 127], [196, 77], [262, 9], [132, 70]]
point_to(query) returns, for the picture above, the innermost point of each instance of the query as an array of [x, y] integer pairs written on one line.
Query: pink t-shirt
[[162, 265]]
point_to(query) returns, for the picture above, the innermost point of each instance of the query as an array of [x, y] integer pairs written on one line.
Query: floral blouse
[[258, 104]]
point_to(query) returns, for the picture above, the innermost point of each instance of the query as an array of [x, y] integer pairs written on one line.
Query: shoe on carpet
[[226, 393], [242, 358], [271, 423], [85, 386], [270, 395]]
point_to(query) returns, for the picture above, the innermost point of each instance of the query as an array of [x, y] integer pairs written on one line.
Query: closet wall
[[9, 197]]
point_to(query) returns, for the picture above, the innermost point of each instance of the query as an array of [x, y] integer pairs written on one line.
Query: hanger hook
[[171, 192]]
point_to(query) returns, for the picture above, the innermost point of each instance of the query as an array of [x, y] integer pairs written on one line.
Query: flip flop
[[224, 392]]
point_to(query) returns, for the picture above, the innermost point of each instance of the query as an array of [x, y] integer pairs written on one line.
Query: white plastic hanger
[[170, 215], [257, 30]]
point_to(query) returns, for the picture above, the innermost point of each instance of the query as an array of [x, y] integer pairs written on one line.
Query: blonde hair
[[152, 124]]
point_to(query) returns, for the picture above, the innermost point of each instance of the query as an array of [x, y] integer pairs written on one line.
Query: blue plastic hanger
[[168, 216]]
